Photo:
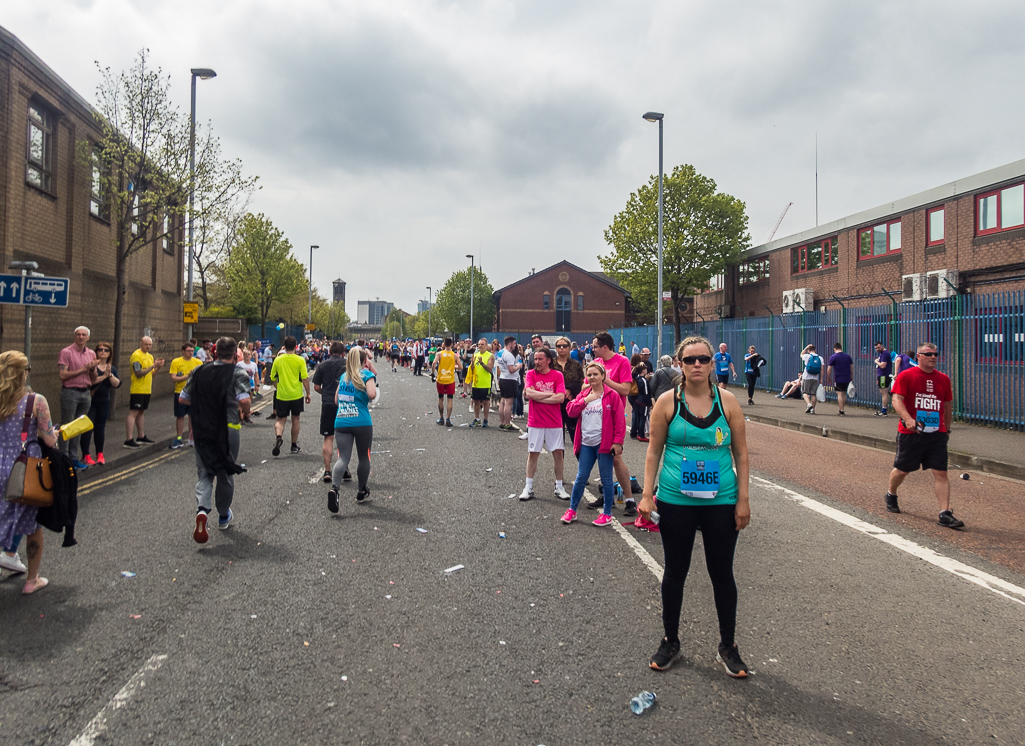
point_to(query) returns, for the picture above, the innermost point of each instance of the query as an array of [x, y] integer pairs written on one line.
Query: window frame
[[870, 229], [928, 226], [167, 240], [98, 206], [830, 258], [999, 194], [580, 301], [757, 268], [45, 124], [546, 302]]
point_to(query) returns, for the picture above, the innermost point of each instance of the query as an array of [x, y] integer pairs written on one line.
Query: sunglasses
[[691, 359], [928, 354], [561, 347], [103, 349]]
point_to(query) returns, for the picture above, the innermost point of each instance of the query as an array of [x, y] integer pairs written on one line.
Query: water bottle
[[655, 517], [642, 702]]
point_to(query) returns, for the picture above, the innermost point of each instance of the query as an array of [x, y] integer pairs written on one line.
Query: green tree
[[703, 232], [261, 270], [452, 303], [140, 167], [394, 325]]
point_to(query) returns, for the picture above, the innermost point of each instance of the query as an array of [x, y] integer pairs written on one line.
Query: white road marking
[[650, 562], [985, 580], [137, 682]]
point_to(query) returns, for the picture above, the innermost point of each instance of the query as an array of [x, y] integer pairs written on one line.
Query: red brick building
[[50, 214], [562, 299], [969, 233]]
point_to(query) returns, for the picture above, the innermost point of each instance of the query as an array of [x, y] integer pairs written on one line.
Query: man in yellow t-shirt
[[180, 369], [290, 374], [482, 364], [445, 364], [140, 388]]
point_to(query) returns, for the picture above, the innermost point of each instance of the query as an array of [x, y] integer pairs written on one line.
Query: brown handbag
[[26, 483]]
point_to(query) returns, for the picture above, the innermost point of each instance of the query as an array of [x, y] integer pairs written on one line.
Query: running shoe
[[176, 444], [891, 503], [527, 494], [440, 421], [88, 460], [569, 516], [363, 495], [809, 410], [560, 492], [130, 443], [80, 465], [881, 413], [225, 521], [484, 424], [947, 519], [332, 500], [295, 448], [475, 423], [602, 520], [629, 508], [277, 446], [200, 535], [272, 416], [750, 401], [346, 477], [730, 658], [642, 439], [666, 655], [144, 440], [842, 413], [12, 564], [327, 475], [595, 503], [448, 423], [100, 460]]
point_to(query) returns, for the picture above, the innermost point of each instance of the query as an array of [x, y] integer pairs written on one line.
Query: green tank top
[[697, 466]]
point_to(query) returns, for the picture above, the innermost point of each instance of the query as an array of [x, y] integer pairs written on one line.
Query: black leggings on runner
[[718, 525], [363, 437], [752, 379]]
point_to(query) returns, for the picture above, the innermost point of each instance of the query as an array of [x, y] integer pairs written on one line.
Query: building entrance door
[[563, 309]]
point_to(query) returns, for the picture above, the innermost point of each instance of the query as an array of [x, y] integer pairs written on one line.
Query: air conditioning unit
[[914, 287], [788, 302], [801, 299], [935, 285]]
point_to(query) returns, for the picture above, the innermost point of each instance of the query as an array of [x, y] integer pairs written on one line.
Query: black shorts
[[138, 401], [286, 408], [328, 412], [921, 450], [841, 386], [180, 410], [481, 394], [884, 382], [723, 377], [507, 387]]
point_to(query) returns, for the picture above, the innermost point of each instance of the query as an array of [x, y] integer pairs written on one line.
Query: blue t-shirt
[[841, 363], [722, 363], [353, 409]]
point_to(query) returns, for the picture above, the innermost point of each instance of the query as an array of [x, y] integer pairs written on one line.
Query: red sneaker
[[99, 459], [88, 460], [200, 535]]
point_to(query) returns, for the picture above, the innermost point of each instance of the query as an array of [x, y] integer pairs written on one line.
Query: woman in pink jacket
[[601, 428]]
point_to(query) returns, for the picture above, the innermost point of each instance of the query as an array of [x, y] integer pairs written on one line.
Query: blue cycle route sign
[[34, 291]]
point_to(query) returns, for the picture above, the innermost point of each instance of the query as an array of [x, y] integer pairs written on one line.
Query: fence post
[[894, 325]]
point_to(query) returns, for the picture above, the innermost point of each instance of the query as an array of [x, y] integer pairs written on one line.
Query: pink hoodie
[[613, 418]]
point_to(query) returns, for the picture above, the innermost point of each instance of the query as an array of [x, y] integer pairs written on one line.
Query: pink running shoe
[[602, 520], [646, 525], [569, 516], [88, 460]]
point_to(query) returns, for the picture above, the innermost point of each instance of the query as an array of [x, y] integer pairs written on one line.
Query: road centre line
[[983, 579], [99, 723], [650, 562]]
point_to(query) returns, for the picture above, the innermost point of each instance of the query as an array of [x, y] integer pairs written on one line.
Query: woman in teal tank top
[[698, 449]]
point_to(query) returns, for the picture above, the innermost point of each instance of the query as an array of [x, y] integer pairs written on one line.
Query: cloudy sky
[[402, 135]]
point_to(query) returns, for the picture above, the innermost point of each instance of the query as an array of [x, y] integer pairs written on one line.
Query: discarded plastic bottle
[[642, 702]]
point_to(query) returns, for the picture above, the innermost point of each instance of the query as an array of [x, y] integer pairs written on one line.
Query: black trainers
[[272, 416], [882, 413], [277, 446], [891, 503], [346, 477], [295, 448], [327, 475], [448, 423], [629, 508], [810, 410], [132, 444], [750, 401], [332, 500], [666, 655], [730, 658], [947, 519], [595, 503], [439, 421], [144, 440], [363, 495]]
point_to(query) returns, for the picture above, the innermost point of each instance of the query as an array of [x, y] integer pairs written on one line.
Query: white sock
[[558, 484], [530, 483]]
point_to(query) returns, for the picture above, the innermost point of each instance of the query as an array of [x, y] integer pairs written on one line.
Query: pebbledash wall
[[969, 234], [46, 217]]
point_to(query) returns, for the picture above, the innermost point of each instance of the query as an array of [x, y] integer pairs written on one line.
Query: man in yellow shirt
[[445, 365], [181, 367], [482, 364], [290, 374], [143, 368]]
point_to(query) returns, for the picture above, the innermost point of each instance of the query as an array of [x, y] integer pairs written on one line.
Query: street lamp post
[[429, 335], [654, 116], [204, 74], [309, 317], [470, 257]]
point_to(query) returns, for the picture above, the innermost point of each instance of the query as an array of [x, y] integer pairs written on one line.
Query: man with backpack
[[810, 377]]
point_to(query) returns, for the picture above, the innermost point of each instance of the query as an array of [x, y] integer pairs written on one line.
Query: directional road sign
[[34, 291]]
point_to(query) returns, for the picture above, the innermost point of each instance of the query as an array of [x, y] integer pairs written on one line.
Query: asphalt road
[[296, 626]]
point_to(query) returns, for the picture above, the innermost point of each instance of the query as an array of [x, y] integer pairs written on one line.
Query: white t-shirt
[[505, 360], [805, 375], [201, 354], [250, 369], [590, 424]]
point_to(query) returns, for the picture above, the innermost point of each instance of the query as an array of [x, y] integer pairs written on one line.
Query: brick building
[[562, 299], [969, 234], [49, 214]]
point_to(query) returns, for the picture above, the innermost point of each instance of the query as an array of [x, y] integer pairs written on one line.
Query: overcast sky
[[402, 135]]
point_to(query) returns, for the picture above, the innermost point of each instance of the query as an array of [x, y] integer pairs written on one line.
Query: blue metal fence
[[981, 338], [275, 335]]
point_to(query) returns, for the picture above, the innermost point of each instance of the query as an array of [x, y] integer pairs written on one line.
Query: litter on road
[[454, 568], [501, 534], [128, 574], [422, 530]]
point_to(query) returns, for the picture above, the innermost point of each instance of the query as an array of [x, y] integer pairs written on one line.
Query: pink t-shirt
[[617, 368], [72, 359], [541, 414]]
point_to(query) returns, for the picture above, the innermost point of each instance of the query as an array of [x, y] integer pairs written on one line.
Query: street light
[[204, 74], [654, 116], [429, 335], [309, 318], [470, 257]]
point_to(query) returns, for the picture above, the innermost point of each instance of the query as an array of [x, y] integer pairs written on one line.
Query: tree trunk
[[119, 304]]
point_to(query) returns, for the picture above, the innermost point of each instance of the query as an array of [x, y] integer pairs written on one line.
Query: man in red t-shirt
[[546, 390], [922, 397], [619, 378]]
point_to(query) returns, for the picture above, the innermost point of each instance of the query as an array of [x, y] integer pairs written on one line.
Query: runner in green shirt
[[290, 374]]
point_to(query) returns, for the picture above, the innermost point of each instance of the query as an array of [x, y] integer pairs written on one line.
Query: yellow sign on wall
[[191, 315], [311, 327]]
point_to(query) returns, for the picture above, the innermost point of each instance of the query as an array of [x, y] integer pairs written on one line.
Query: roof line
[[596, 276]]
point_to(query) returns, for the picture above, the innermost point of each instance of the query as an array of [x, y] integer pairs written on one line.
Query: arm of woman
[[44, 426], [372, 388], [115, 382], [619, 420], [575, 407], [738, 445], [660, 417]]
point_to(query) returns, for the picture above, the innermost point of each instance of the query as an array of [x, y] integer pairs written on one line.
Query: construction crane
[[781, 216]]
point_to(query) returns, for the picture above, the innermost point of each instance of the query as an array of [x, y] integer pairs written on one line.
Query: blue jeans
[[585, 462]]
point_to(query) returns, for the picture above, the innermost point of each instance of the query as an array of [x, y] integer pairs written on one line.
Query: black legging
[[98, 413], [677, 526], [751, 380], [363, 437]]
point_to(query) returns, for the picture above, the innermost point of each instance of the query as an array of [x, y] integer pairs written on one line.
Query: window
[[754, 271], [580, 302], [879, 240], [715, 282], [97, 203], [934, 225], [40, 147], [816, 255], [1000, 210], [135, 207], [165, 240], [546, 302]]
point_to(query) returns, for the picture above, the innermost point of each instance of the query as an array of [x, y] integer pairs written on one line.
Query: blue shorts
[[180, 410]]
